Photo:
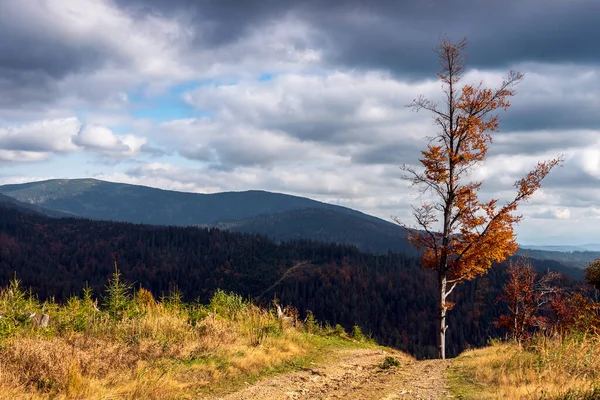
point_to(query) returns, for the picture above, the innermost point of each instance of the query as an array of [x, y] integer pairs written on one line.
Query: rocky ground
[[355, 374]]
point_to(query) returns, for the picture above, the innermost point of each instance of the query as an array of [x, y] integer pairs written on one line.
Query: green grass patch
[[462, 383]]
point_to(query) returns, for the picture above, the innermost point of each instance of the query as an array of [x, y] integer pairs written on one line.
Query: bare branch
[[451, 288]]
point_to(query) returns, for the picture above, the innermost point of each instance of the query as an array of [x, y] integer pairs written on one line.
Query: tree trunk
[[441, 327]]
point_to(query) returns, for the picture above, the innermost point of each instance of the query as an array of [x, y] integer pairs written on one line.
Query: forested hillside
[[376, 236], [388, 295], [96, 199], [278, 216]]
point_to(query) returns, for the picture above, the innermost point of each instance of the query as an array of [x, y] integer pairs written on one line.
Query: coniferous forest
[[388, 296]]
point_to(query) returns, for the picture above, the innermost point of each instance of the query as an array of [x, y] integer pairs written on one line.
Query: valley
[[347, 256]]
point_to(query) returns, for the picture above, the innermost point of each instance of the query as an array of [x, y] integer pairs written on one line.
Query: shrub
[[260, 325], [389, 362], [227, 304], [118, 296], [357, 334], [144, 300], [310, 323], [15, 307]]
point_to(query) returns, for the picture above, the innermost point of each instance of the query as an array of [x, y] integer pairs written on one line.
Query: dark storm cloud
[[396, 153], [218, 22], [21, 88], [34, 54], [513, 143], [552, 117], [381, 34], [399, 35]]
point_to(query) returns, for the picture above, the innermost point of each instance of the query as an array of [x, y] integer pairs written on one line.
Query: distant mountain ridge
[[11, 202], [278, 216], [96, 199], [564, 248]]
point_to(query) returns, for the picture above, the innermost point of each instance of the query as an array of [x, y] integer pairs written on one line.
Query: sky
[[305, 97]]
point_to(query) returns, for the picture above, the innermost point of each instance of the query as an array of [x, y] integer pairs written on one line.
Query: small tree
[[118, 295], [592, 274], [526, 293], [460, 236], [576, 312]]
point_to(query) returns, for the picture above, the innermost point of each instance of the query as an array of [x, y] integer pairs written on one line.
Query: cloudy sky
[[302, 97]]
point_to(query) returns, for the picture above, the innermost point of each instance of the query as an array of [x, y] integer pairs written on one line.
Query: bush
[[226, 304], [357, 334], [311, 324], [260, 325], [389, 362], [118, 296], [144, 300], [15, 307]]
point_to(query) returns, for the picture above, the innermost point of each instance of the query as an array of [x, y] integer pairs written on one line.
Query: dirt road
[[355, 374]]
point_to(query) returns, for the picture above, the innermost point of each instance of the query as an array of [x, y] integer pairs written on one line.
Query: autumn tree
[[592, 274], [525, 294], [576, 312], [458, 235]]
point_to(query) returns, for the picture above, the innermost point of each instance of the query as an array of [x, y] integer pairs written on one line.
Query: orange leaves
[[525, 293], [434, 161], [473, 233], [533, 180], [592, 274], [576, 312]]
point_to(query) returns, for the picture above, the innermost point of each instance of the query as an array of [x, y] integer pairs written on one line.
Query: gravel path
[[355, 374]]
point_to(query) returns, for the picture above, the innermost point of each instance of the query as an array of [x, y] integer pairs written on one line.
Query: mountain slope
[[387, 295], [278, 216], [326, 225], [10, 202], [95, 199], [576, 259], [564, 248]]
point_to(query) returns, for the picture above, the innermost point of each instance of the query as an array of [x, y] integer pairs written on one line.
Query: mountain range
[[280, 217], [387, 295], [564, 248]]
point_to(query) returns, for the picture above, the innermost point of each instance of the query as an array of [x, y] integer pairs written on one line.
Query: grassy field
[[133, 347], [547, 368]]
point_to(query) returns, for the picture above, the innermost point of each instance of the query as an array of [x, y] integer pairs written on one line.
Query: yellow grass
[[155, 351], [547, 368]]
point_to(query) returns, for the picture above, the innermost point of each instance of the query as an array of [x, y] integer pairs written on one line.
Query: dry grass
[[567, 368], [142, 349]]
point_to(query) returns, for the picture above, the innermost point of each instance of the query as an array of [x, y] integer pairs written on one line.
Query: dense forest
[[388, 295]]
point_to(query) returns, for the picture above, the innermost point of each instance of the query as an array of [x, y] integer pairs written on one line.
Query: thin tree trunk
[[441, 328], [516, 327]]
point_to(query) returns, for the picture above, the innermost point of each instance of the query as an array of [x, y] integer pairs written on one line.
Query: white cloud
[[329, 132], [103, 140], [41, 136], [39, 140]]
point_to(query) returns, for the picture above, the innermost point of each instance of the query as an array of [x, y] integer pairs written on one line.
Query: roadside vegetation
[[126, 344], [543, 368], [552, 349]]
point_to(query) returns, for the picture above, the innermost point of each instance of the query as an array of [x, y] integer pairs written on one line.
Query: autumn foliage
[[525, 294], [538, 303], [575, 312], [458, 234], [592, 274]]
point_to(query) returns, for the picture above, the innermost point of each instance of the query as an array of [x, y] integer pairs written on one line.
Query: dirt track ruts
[[355, 374]]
